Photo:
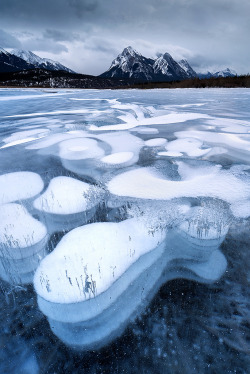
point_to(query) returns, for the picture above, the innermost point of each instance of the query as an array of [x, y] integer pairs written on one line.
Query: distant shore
[[39, 78]]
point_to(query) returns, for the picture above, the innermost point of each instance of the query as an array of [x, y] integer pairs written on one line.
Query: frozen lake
[[124, 230]]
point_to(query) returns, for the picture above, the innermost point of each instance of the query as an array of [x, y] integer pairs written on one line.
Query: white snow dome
[[119, 159], [80, 149], [102, 252], [18, 230], [19, 185], [100, 276], [22, 244], [66, 195], [68, 203], [156, 142]]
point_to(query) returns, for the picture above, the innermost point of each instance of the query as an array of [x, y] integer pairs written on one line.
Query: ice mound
[[118, 159], [156, 142], [207, 181], [100, 276], [122, 141], [80, 155], [170, 154], [205, 228], [80, 149], [22, 243], [192, 147], [19, 185], [68, 202], [237, 146]]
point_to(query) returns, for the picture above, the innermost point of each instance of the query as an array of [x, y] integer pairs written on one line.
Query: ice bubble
[[122, 142], [100, 276], [119, 159], [68, 202], [192, 147], [19, 185], [210, 181], [22, 243], [156, 142], [80, 149], [170, 154]]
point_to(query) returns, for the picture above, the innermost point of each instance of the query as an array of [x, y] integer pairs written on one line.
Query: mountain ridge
[[39, 62], [133, 65]]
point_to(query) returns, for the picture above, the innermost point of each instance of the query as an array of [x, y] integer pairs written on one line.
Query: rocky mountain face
[[187, 68], [11, 63], [131, 64], [19, 60], [39, 62]]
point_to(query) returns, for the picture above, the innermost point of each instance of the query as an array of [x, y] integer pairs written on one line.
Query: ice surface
[[19, 185], [157, 177], [20, 135], [130, 121]]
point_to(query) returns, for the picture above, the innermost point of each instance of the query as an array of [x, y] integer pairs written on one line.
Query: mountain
[[39, 62], [225, 73], [222, 73], [167, 69], [11, 63], [187, 68], [131, 64]]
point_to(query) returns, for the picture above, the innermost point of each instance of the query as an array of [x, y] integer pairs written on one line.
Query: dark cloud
[[61, 36], [44, 45], [212, 32], [8, 41]]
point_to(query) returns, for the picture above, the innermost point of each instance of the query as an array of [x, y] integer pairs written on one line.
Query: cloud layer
[[87, 34]]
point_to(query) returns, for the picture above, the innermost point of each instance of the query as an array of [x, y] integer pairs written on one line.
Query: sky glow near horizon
[[86, 35]]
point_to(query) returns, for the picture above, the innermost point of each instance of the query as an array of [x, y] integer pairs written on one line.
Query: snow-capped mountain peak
[[187, 68], [10, 63], [39, 62], [225, 73], [165, 65], [130, 51], [130, 64]]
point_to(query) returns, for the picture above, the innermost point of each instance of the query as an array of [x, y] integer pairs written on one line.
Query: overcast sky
[[86, 35]]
